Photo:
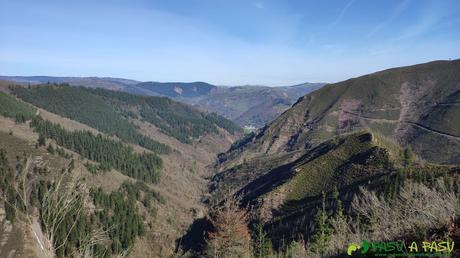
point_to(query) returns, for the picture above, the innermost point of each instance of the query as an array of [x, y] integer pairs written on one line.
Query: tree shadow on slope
[[194, 241]]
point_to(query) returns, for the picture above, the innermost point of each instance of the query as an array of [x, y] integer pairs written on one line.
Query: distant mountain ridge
[[245, 105], [178, 89], [93, 82]]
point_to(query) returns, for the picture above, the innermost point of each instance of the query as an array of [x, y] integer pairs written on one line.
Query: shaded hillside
[[338, 162], [415, 106], [296, 199]]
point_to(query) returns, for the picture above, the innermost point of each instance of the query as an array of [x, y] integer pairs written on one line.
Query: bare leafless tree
[[66, 198], [415, 211]]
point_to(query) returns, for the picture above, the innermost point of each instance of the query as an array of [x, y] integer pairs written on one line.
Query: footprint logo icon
[[352, 248]]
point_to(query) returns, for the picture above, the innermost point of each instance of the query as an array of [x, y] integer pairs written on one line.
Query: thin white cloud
[[342, 13], [394, 14], [429, 18]]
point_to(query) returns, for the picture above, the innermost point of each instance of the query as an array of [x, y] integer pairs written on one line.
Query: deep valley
[[115, 167]]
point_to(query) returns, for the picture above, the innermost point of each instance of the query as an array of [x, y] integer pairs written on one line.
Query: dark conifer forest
[[108, 152]]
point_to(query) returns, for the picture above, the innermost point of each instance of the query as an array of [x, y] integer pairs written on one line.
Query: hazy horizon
[[268, 43], [219, 85]]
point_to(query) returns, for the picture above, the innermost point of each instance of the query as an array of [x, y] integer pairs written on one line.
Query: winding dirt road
[[425, 128]]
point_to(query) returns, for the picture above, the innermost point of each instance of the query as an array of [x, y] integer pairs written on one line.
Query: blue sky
[[224, 42]]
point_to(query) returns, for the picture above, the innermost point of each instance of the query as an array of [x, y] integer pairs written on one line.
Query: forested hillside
[[12, 108], [124, 181], [185, 123], [110, 112], [107, 152], [80, 105], [70, 226]]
